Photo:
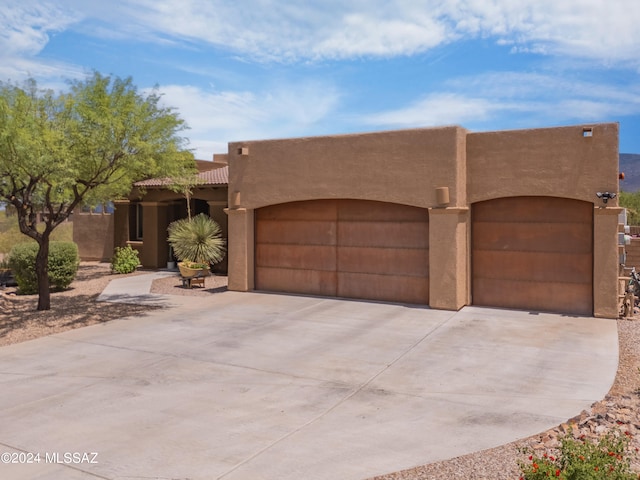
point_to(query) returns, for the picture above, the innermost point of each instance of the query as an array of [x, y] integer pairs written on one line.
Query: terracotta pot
[[189, 272]]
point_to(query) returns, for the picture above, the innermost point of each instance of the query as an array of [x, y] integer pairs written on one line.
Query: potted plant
[[197, 244]]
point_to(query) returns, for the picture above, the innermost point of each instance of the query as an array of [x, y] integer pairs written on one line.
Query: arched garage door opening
[[344, 248], [533, 253]]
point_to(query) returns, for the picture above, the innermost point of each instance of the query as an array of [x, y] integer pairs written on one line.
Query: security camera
[[605, 196]]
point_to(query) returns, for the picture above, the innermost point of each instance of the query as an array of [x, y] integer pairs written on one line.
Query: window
[[139, 221], [135, 222]]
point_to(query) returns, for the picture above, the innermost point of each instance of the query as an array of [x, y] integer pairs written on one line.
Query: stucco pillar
[[154, 227], [241, 249], [121, 223], [217, 213], [605, 262], [448, 258]]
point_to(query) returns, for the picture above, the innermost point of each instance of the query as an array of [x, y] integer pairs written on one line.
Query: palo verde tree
[[88, 145]]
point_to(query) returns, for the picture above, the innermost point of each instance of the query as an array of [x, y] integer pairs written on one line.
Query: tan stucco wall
[[633, 254], [121, 223], [407, 166], [402, 167], [558, 162], [93, 233], [241, 249], [605, 262], [448, 253]]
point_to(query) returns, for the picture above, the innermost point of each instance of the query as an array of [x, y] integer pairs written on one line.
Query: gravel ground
[[77, 307], [73, 308]]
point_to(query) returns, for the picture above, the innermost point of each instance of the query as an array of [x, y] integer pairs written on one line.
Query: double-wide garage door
[[345, 248], [533, 253]]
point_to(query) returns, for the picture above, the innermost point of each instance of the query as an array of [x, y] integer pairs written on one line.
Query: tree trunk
[[42, 274]]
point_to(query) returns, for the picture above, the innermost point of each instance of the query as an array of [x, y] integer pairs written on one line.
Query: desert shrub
[[125, 260], [608, 458], [63, 265], [197, 240]]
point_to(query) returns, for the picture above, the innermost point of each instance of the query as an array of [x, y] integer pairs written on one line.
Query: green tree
[[184, 185], [631, 201], [85, 146]]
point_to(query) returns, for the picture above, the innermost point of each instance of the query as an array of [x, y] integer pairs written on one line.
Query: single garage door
[[533, 253], [345, 248]]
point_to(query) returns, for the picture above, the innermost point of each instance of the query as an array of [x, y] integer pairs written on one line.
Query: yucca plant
[[197, 240]]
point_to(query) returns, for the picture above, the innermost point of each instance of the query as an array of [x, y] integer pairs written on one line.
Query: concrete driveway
[[264, 386]]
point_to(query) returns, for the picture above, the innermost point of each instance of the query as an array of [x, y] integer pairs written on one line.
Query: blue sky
[[255, 69]]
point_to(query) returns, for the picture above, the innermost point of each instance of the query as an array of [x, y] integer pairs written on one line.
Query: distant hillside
[[630, 165]]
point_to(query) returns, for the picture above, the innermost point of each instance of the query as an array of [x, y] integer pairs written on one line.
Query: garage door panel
[[306, 257], [351, 248], [316, 210], [537, 237], [412, 262], [535, 266], [369, 211], [296, 232], [544, 209], [312, 282], [546, 296], [534, 253], [388, 288], [384, 234]]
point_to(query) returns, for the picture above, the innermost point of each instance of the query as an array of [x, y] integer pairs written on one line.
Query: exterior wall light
[[605, 196]]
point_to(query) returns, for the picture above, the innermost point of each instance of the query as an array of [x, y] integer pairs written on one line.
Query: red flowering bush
[[580, 459]]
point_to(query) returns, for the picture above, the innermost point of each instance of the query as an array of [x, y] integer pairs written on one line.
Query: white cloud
[[25, 29], [25, 26], [217, 117], [49, 74], [333, 29], [528, 98], [435, 109], [280, 30], [595, 29]]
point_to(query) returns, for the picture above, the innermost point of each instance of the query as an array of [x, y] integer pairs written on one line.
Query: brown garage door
[[346, 248], [533, 253]]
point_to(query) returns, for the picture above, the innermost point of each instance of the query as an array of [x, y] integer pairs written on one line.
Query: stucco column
[[217, 213], [448, 257], [121, 223], [241, 249], [605, 262], [154, 230]]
